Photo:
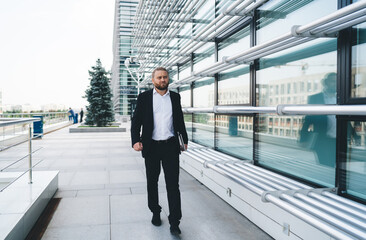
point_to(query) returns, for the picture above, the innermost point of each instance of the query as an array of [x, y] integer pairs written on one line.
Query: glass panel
[[358, 87], [285, 144], [277, 17], [203, 124], [204, 57], [189, 125], [185, 70], [234, 135], [302, 146], [185, 97], [355, 166], [203, 93], [234, 86], [236, 43], [173, 74], [203, 129]]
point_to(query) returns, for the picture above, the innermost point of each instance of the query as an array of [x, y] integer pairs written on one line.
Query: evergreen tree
[[100, 109]]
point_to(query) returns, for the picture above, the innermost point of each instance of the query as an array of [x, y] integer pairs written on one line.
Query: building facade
[[267, 54], [123, 85]]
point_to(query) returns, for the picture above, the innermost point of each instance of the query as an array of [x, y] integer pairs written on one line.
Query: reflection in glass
[[355, 167], [277, 17], [282, 147], [203, 93], [203, 124], [185, 71], [303, 146], [234, 86], [234, 135], [185, 95], [189, 125], [173, 74], [358, 87], [236, 43], [203, 129], [204, 57]]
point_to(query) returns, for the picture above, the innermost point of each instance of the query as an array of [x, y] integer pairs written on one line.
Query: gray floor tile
[[103, 189], [92, 177], [82, 211], [91, 232], [129, 208], [126, 176], [143, 230]]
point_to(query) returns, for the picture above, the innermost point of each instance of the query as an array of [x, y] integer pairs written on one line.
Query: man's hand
[[138, 146], [186, 146]]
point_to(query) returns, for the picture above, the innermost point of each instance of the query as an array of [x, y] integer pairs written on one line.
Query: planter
[[96, 129]]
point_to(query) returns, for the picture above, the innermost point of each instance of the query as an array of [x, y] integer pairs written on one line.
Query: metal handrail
[[321, 109], [30, 169], [285, 109], [14, 121], [20, 159], [279, 43], [289, 197]]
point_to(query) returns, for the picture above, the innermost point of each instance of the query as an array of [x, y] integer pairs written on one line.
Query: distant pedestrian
[[81, 115], [71, 114]]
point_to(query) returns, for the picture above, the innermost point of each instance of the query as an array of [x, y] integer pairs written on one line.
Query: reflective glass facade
[[323, 150], [123, 85]]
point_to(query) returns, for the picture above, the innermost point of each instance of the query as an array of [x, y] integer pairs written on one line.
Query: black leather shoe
[[156, 220], [174, 229]]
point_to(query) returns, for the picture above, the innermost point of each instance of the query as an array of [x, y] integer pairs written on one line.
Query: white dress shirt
[[163, 116]]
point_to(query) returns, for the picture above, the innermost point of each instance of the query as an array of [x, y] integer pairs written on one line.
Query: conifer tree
[[100, 110]]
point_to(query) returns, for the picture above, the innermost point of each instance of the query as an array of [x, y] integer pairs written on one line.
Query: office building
[[123, 85], [278, 84]]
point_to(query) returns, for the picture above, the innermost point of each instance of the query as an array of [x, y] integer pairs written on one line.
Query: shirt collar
[[166, 94]]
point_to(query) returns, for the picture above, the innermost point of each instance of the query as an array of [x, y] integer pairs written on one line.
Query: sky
[[48, 46]]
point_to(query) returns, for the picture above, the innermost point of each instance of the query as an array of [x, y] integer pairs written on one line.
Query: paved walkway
[[103, 194]]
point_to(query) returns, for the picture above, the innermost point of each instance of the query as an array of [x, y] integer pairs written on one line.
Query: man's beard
[[161, 86]]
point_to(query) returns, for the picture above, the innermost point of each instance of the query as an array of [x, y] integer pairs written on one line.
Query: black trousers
[[164, 154]]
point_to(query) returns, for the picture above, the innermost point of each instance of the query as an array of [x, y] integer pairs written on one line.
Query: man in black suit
[[159, 113], [320, 130]]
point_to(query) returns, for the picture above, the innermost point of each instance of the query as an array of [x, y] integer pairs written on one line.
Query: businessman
[[322, 127], [159, 113]]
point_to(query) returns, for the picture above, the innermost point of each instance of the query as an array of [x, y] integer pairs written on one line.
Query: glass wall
[[234, 84], [305, 147], [203, 124], [354, 168], [185, 94], [234, 134], [302, 146], [358, 83], [279, 16]]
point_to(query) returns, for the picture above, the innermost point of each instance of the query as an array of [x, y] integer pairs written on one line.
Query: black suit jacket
[[143, 117]]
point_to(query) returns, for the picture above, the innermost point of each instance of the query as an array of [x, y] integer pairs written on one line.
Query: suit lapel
[[150, 108], [173, 99]]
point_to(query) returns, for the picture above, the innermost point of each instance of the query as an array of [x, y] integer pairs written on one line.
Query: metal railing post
[[30, 153]]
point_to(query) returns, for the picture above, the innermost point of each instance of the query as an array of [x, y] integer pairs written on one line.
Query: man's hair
[[329, 77], [159, 69]]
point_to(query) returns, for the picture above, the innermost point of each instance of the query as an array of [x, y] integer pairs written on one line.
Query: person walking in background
[[81, 115], [159, 113], [71, 114]]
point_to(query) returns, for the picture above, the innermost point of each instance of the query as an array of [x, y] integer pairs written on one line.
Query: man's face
[[161, 80]]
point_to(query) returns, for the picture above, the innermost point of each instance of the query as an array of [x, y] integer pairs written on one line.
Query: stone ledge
[[96, 129], [22, 203]]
